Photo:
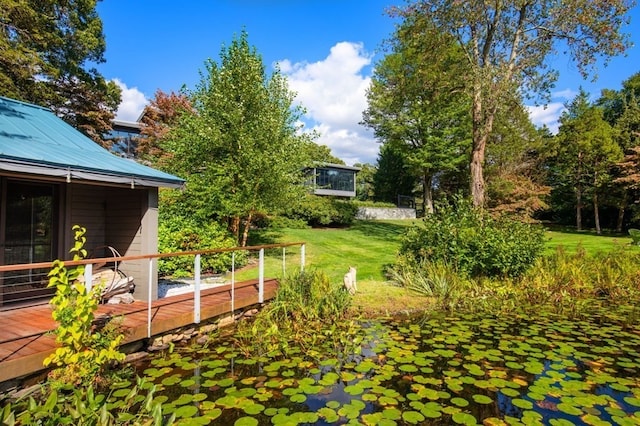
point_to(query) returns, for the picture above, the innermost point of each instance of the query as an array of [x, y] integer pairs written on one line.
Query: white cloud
[[132, 104], [333, 91], [547, 115], [566, 94]]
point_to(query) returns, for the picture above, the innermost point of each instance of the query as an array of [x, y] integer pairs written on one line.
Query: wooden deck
[[25, 340]]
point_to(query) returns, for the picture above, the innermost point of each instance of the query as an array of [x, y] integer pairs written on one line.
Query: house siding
[[120, 218]]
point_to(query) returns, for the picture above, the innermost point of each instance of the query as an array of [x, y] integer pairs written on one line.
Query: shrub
[[473, 242], [179, 234], [322, 211], [84, 351]]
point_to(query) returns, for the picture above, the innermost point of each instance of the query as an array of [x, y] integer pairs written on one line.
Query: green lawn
[[370, 245], [589, 241]]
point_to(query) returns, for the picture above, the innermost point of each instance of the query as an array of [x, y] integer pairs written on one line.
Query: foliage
[[587, 151], [473, 242], [322, 211], [568, 283], [239, 150], [305, 304], [84, 407], [48, 49], [181, 234], [507, 46], [516, 176], [364, 182], [84, 349], [393, 177], [159, 116], [416, 102], [437, 280]]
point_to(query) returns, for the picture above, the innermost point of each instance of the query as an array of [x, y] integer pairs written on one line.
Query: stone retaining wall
[[377, 213]]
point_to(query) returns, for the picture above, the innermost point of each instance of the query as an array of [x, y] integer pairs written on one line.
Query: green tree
[[626, 182], [320, 153], [364, 181], [392, 177], [587, 152], [416, 102], [506, 46], [48, 48], [240, 150]]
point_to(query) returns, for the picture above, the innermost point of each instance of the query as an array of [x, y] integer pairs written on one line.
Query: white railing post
[[149, 294], [233, 284], [88, 276], [261, 277], [196, 295], [302, 256]]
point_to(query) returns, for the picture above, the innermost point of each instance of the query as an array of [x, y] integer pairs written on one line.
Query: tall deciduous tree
[[587, 152], [47, 52], [240, 149], [506, 46], [416, 102]]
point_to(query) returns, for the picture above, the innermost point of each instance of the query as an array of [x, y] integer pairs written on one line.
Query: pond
[[427, 370]]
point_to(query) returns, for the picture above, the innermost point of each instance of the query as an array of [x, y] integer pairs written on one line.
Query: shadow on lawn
[[381, 230]]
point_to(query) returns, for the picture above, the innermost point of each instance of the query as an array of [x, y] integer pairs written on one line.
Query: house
[[123, 137], [332, 179], [53, 177]]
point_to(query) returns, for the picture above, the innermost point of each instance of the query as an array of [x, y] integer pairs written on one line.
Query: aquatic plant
[[305, 303], [425, 369]]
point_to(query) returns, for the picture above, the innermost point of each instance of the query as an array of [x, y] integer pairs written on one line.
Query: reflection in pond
[[422, 370]]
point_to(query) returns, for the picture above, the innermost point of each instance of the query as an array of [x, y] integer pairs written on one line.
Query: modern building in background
[[333, 179], [124, 138]]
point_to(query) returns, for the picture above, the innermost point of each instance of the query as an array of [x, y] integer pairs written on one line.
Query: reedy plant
[[304, 306], [438, 280]]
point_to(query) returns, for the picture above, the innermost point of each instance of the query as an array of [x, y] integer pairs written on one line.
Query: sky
[[326, 48]]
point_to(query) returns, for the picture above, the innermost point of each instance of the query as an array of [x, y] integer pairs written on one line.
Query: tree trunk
[[620, 221], [477, 178], [427, 193], [245, 233], [596, 213], [234, 227], [578, 208], [621, 209], [482, 120]]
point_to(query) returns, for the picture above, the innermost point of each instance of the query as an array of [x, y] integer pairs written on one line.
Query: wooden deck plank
[[25, 341]]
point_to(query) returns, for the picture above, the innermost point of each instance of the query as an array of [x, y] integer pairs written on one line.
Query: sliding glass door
[[30, 223]]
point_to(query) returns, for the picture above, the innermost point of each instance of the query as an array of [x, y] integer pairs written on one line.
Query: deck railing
[[152, 259]]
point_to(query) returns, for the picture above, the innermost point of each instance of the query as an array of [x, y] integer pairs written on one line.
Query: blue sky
[[326, 48]]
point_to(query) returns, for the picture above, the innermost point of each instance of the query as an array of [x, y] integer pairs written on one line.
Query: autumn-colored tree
[[506, 46], [515, 176], [47, 50], [162, 113]]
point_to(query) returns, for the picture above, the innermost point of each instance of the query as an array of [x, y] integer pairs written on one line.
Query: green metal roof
[[34, 140]]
